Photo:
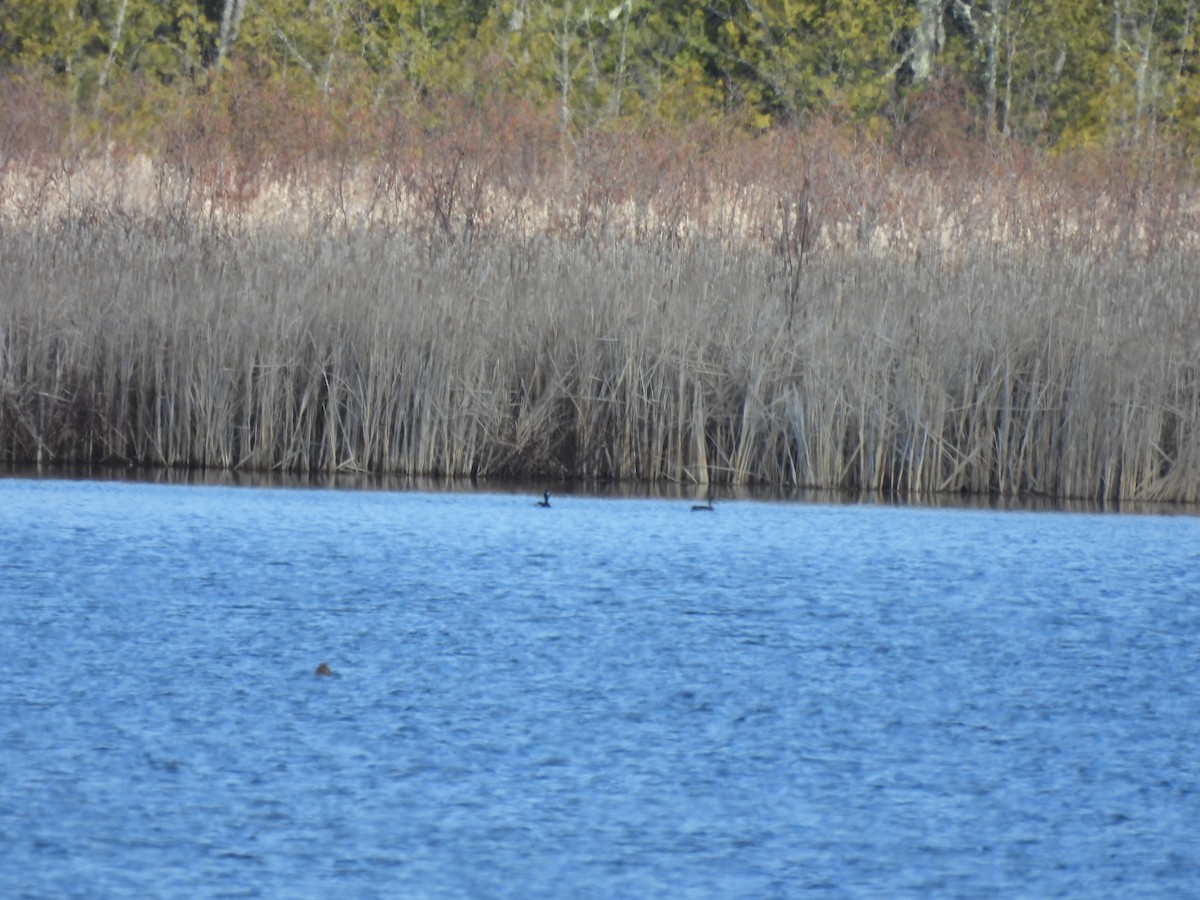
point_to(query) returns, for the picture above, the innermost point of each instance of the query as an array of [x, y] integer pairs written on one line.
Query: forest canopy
[[1110, 73]]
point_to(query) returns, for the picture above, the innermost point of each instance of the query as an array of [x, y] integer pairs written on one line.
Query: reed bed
[[789, 313], [986, 370]]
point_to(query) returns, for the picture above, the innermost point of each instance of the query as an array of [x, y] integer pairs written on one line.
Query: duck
[[706, 506], [544, 503]]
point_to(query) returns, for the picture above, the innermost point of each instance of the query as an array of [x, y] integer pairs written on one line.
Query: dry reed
[[827, 330]]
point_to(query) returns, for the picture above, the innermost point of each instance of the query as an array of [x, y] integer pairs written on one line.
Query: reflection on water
[[615, 697], [366, 481]]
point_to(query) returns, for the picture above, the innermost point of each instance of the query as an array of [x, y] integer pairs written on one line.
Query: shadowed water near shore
[[564, 491]]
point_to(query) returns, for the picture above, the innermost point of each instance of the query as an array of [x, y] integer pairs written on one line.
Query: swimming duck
[[544, 503]]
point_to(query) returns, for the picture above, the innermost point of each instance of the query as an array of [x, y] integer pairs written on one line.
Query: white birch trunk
[[118, 28], [928, 40], [231, 18], [1143, 89]]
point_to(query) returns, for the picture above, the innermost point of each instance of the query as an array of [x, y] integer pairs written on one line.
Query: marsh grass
[[796, 318]]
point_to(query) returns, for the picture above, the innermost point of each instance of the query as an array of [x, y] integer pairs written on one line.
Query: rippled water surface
[[609, 698]]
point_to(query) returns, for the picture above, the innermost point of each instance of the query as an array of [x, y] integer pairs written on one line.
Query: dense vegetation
[[947, 248], [1052, 73]]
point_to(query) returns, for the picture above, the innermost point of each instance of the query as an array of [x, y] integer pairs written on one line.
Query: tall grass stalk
[[1003, 370]]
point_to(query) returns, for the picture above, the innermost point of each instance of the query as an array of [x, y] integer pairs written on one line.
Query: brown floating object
[[323, 669]]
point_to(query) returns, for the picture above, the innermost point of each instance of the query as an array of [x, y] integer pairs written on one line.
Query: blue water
[[610, 698]]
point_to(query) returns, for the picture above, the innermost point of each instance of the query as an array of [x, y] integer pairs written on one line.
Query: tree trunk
[[991, 64], [231, 17], [114, 44], [564, 66], [928, 40], [1145, 102]]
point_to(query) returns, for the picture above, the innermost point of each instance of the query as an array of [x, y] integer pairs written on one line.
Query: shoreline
[[683, 494]]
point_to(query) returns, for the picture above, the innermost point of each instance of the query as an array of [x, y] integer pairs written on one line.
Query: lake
[[613, 697]]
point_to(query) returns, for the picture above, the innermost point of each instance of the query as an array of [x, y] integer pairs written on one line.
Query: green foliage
[[57, 34], [1118, 72], [793, 57]]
